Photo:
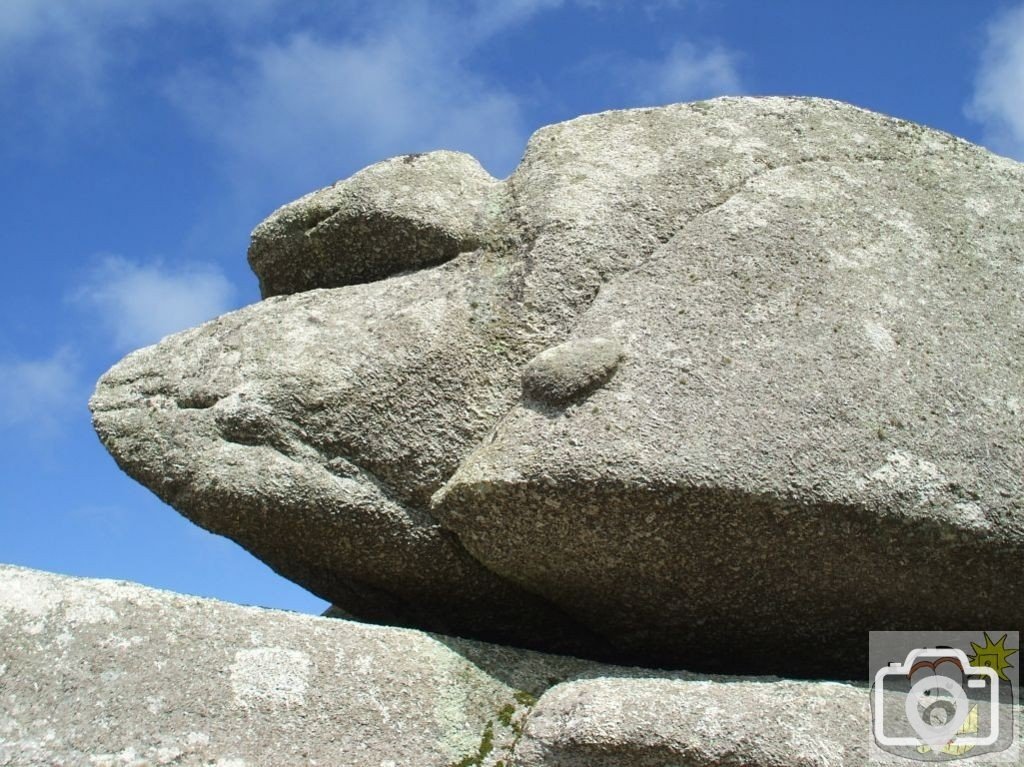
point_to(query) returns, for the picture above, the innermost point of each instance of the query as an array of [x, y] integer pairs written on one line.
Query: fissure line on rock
[[680, 229], [642, 260]]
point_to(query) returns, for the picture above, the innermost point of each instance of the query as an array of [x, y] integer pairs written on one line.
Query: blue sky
[[142, 140]]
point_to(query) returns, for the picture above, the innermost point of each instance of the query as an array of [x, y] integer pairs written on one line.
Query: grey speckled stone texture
[[818, 406], [111, 674], [97, 673], [656, 720], [401, 214]]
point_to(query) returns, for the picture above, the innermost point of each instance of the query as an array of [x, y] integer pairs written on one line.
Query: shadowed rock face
[[694, 386]]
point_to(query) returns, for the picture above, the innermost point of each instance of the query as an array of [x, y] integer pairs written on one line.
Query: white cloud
[[297, 95], [998, 101], [140, 304], [284, 91], [311, 105], [489, 18], [38, 393], [686, 73], [25, 22]]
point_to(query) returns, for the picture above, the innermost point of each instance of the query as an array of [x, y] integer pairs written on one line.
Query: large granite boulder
[[111, 674], [695, 386]]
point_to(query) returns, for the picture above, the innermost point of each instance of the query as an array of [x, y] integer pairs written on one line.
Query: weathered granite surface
[[111, 674], [96, 672], [695, 385]]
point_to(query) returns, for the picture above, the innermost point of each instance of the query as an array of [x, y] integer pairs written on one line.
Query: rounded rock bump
[[571, 370]]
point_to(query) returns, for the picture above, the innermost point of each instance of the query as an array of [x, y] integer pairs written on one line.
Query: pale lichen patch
[[90, 612], [879, 337], [28, 595], [904, 470], [270, 675], [978, 205]]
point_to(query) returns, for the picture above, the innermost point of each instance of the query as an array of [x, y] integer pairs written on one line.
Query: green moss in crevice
[[485, 748], [506, 714], [525, 698], [507, 718]]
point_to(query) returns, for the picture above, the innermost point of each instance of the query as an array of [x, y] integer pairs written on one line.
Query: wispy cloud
[[59, 55], [998, 102], [296, 96], [685, 73], [38, 393], [295, 108], [74, 25], [489, 18], [316, 104], [138, 304]]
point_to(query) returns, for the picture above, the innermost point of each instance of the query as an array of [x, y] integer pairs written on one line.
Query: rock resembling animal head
[[695, 386]]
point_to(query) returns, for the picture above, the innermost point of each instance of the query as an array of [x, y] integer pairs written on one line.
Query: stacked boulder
[[716, 386]]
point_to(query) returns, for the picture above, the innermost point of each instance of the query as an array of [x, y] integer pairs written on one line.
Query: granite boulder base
[[111, 674]]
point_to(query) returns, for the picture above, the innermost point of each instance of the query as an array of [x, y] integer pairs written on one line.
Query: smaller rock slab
[[704, 722], [104, 673]]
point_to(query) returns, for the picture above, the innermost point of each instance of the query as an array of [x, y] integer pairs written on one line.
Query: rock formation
[[111, 674], [714, 388], [105, 673], [694, 386]]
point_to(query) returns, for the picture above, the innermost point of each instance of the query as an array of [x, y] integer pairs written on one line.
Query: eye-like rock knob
[[571, 370]]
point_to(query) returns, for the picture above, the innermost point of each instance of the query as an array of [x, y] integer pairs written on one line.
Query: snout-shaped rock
[[312, 430]]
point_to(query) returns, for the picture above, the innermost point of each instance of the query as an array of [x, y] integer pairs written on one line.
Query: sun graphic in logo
[[993, 655]]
